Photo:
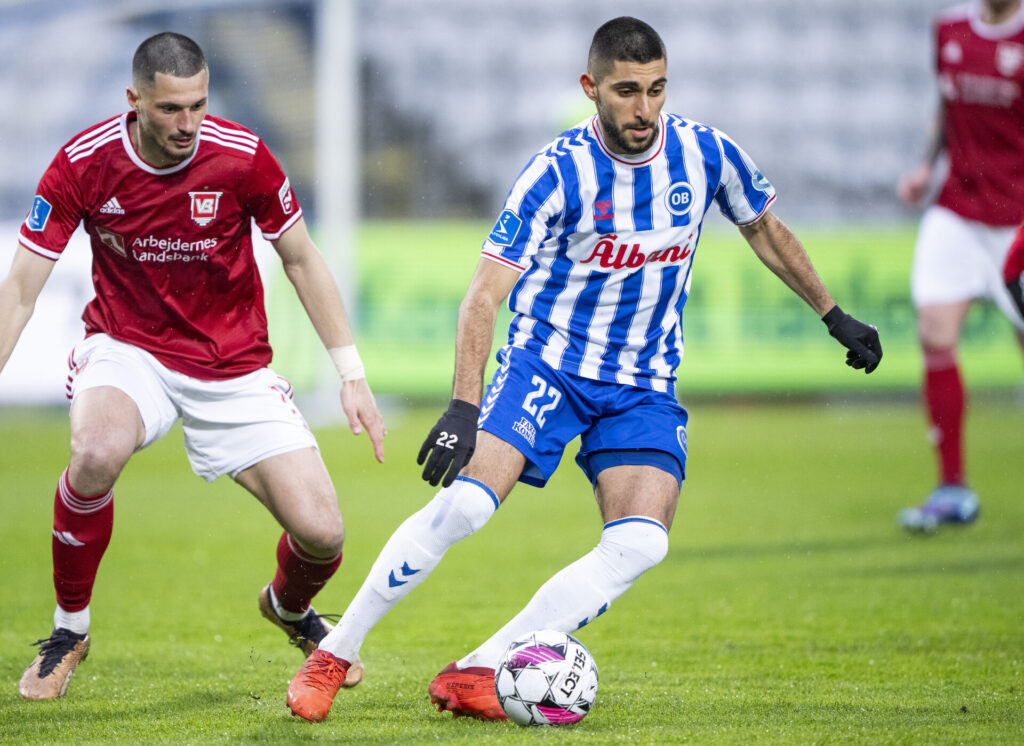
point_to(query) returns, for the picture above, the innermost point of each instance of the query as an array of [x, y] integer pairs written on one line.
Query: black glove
[[1016, 288], [450, 444], [860, 339]]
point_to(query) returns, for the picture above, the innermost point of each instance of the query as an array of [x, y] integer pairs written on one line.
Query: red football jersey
[[173, 266], [981, 77]]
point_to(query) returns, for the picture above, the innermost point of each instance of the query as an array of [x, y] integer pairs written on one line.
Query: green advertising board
[[744, 331]]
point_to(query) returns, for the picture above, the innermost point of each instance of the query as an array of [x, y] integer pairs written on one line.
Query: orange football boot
[[311, 692], [469, 692]]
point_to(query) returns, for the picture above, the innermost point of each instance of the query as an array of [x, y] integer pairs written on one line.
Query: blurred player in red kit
[[964, 237], [178, 329]]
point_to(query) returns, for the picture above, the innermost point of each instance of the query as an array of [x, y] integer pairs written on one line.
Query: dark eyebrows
[[635, 85], [175, 105]]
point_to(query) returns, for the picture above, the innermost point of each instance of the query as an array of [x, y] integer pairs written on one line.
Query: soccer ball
[[546, 678]]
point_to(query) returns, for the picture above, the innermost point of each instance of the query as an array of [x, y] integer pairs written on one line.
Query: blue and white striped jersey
[[605, 244]]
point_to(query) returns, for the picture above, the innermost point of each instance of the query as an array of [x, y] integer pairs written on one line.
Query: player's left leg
[[638, 503], [250, 429], [297, 490]]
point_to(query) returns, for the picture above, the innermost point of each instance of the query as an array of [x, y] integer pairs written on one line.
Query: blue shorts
[[538, 410]]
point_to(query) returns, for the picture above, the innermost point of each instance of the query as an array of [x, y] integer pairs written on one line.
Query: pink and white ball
[[546, 678]]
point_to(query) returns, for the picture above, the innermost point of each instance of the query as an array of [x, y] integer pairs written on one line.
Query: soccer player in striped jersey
[[594, 251], [964, 237], [178, 330]]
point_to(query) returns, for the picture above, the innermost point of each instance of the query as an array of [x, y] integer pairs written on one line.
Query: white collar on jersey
[[631, 160], [995, 31], [126, 140]]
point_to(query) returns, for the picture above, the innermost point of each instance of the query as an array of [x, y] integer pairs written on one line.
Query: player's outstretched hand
[[361, 409], [450, 444], [864, 350]]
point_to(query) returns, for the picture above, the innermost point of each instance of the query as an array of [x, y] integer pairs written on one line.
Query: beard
[[617, 135], [169, 154]]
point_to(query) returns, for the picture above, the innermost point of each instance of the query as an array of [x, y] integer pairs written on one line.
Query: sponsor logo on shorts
[[204, 206], [525, 428], [681, 437], [506, 229], [39, 214]]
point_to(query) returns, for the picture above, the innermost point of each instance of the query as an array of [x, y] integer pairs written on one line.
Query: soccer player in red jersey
[[965, 236], [178, 329]]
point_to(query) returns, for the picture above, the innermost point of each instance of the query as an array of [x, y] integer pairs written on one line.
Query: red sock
[[81, 532], [299, 575], [945, 400]]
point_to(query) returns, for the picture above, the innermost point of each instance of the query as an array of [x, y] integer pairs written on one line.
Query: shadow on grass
[[790, 549]]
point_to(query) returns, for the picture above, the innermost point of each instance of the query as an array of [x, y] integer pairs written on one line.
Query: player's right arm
[[18, 294], [451, 442], [478, 313]]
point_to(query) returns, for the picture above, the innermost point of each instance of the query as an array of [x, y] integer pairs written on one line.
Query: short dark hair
[[623, 39], [168, 53]]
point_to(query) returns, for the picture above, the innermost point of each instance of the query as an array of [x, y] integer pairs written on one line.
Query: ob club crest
[[679, 198]]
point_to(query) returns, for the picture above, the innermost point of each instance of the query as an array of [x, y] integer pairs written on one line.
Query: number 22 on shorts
[[541, 400]]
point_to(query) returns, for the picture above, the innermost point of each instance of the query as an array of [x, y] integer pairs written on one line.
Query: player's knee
[[468, 504], [96, 461], [634, 545], [321, 539]]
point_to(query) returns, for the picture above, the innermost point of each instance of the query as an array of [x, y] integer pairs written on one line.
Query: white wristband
[[346, 360]]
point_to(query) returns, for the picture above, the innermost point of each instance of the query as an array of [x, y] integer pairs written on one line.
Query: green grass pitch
[[790, 608]]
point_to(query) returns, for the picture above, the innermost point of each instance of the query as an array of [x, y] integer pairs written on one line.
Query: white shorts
[[958, 260], [229, 425]]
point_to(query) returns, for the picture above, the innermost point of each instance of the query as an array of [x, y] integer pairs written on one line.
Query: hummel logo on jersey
[[112, 207], [506, 229], [603, 209]]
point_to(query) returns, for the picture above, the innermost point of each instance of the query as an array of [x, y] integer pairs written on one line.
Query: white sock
[[408, 557], [76, 621], [579, 593]]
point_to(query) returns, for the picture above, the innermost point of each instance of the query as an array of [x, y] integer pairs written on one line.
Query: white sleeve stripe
[[209, 132], [502, 260], [236, 146], [110, 137], [291, 221], [37, 249], [212, 134], [89, 137], [231, 132]]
